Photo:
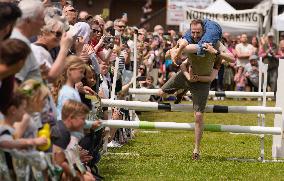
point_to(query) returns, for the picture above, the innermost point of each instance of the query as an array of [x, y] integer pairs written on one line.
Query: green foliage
[[166, 155]]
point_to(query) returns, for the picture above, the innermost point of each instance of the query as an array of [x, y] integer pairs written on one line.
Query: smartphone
[[141, 78]]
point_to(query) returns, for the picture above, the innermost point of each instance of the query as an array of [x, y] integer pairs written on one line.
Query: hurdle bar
[[190, 127], [228, 94], [153, 106]]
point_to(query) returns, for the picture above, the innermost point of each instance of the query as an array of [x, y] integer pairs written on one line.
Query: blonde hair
[[34, 90], [73, 109], [71, 62]]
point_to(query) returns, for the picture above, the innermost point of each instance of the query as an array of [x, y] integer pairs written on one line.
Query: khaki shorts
[[199, 90]]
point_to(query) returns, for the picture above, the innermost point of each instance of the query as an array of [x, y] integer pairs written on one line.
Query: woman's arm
[[221, 51], [185, 70], [23, 143]]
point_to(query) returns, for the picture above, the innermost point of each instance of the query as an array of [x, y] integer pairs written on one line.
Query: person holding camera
[[268, 52]]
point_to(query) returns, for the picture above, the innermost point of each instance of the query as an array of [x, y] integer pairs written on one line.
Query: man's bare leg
[[161, 93], [198, 133]]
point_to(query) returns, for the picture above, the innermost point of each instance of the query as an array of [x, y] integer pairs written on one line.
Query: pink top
[[240, 80]]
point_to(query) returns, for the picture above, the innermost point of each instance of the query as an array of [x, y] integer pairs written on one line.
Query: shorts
[[199, 90]]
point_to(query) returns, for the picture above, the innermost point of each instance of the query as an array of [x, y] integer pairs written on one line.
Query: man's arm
[[220, 51]]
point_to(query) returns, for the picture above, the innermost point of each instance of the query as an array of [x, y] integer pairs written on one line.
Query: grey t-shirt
[[31, 68], [253, 75], [6, 137]]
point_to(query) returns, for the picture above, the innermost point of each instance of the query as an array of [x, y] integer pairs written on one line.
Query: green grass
[[167, 155]]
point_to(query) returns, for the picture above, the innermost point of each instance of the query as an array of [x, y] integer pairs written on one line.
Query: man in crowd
[[251, 70], [244, 50], [27, 26], [269, 55]]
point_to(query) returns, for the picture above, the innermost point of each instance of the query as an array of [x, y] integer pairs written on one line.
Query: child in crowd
[[14, 112], [73, 119], [37, 94], [149, 82], [240, 79], [73, 73], [89, 82]]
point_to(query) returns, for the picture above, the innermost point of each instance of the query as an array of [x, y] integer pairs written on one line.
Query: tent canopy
[[278, 22], [220, 6]]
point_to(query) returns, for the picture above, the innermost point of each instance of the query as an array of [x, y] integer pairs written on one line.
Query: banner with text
[[244, 20]]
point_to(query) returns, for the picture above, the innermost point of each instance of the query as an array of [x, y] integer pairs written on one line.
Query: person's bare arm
[[184, 69], [58, 66], [190, 48], [221, 51], [20, 127], [23, 143]]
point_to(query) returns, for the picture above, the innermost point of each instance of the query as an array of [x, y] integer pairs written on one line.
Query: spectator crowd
[[51, 57]]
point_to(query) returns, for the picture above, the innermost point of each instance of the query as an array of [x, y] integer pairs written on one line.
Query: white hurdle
[[190, 126], [278, 141], [153, 106], [228, 94]]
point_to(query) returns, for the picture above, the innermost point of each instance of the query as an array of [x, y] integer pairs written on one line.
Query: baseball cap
[[253, 57]]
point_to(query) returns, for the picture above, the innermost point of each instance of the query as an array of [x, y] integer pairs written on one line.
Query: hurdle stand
[[228, 94], [190, 127], [153, 106], [278, 141], [261, 117]]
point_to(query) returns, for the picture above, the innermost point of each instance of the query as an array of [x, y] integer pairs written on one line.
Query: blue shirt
[[66, 93]]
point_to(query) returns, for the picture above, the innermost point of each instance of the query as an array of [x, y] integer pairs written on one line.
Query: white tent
[[220, 6], [278, 2], [278, 22]]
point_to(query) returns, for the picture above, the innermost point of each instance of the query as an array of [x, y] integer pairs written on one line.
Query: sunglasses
[[122, 26], [58, 34], [97, 31]]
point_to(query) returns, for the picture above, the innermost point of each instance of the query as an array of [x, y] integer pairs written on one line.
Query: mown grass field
[[166, 155]]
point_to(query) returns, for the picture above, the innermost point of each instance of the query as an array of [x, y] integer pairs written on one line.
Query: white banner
[[175, 9], [237, 21], [249, 17]]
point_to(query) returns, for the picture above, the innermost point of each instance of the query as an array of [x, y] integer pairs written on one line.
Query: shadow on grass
[[210, 158]]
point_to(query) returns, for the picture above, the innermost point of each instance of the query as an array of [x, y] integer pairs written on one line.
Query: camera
[[109, 42], [166, 36], [111, 31], [124, 39]]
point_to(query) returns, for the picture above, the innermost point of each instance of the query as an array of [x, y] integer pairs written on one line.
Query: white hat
[[270, 34]]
